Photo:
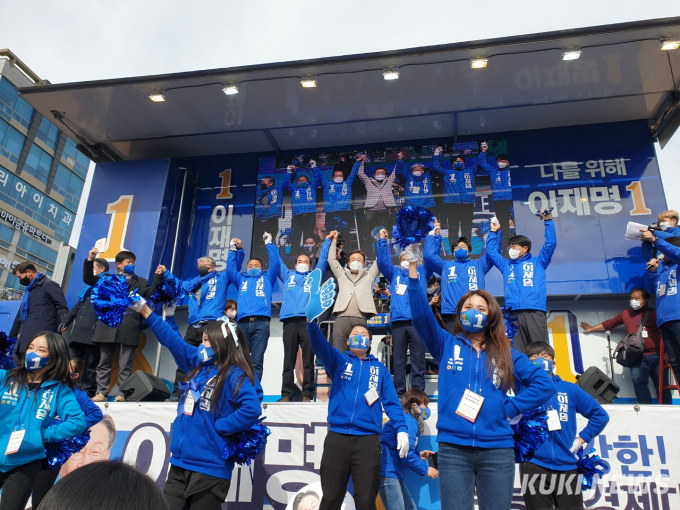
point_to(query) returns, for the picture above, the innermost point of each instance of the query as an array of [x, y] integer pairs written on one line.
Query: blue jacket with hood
[[461, 367], [35, 411], [337, 197], [391, 465], [295, 291], [664, 283], [302, 197], [93, 414], [555, 453], [500, 178], [458, 276], [269, 203], [255, 292], [648, 250], [348, 409], [197, 441], [524, 278], [399, 306], [417, 190], [459, 183]]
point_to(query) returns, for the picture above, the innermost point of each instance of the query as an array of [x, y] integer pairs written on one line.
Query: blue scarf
[[196, 386], [85, 293], [24, 300]]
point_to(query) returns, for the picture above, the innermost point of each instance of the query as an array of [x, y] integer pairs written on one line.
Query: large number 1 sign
[[120, 215]]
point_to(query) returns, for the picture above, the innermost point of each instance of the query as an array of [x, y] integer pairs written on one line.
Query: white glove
[[267, 238], [138, 305], [577, 446], [436, 151], [495, 221], [515, 420], [413, 253], [402, 444], [312, 163], [169, 309], [232, 246], [289, 169]]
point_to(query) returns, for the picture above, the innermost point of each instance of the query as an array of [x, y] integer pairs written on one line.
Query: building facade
[[42, 176]]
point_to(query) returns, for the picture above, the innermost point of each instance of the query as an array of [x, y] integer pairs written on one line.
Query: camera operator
[[666, 227]]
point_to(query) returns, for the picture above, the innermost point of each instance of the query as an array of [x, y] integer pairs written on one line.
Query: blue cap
[[359, 342]]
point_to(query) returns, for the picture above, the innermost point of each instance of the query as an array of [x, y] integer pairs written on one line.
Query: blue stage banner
[[124, 207]]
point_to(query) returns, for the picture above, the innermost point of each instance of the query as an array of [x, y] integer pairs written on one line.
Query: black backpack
[[629, 351]]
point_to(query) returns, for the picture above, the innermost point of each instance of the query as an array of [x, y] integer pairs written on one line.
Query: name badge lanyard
[[644, 326], [471, 402], [17, 436]]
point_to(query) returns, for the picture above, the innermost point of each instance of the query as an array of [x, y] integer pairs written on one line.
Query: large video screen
[[301, 198]]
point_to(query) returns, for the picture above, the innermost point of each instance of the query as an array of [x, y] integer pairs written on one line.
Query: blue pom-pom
[[244, 447], [168, 290], [110, 299], [529, 434], [511, 327], [60, 451], [6, 348], [591, 466], [411, 226]]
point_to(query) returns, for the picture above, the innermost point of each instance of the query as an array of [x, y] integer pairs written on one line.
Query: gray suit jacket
[[362, 286]]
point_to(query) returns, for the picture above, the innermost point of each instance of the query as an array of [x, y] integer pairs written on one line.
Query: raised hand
[[160, 269], [93, 254], [237, 243], [332, 235], [320, 298], [495, 227], [267, 238], [383, 234]]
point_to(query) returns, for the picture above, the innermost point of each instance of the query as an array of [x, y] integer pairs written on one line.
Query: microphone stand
[[609, 348]]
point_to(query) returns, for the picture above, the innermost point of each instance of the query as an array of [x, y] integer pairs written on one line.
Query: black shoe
[[285, 398], [172, 399]]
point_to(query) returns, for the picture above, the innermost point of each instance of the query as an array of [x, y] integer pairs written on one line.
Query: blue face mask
[[205, 354], [36, 362], [461, 253], [303, 184], [459, 166], [424, 412], [359, 342], [129, 269], [473, 320], [254, 271], [545, 364]]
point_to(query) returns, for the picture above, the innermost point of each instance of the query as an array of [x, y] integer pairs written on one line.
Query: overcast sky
[[76, 40]]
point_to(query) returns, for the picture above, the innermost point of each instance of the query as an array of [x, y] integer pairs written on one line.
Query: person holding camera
[[666, 227], [640, 314]]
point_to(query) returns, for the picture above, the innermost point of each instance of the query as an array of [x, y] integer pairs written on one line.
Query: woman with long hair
[[393, 491], [221, 397], [477, 368], [33, 395]]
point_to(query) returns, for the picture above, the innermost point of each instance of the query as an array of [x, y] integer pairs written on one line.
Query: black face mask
[[202, 271], [263, 186], [24, 281]]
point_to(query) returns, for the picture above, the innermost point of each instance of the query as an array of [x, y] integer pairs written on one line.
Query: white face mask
[[431, 290], [514, 254], [338, 180], [635, 304], [355, 265], [404, 264], [664, 224], [502, 164], [379, 177], [302, 268], [417, 173], [231, 314], [95, 273]]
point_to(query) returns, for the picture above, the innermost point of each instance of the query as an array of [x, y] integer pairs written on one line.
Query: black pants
[[670, 333], [295, 335], [17, 485], [189, 490], [42, 485], [405, 338], [502, 210], [536, 482], [270, 225], [193, 337], [302, 226], [90, 355], [343, 456], [455, 213], [532, 328]]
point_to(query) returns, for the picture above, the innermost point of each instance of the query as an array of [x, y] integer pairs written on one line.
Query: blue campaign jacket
[[295, 292], [664, 283], [268, 203], [555, 453], [648, 250], [213, 287], [391, 465], [93, 414], [417, 190], [500, 179], [197, 442], [348, 409], [458, 276], [255, 293], [462, 367], [399, 306], [337, 197], [303, 198], [35, 411], [459, 185], [524, 278]]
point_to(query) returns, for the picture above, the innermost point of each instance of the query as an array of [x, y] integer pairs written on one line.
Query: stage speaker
[[594, 382], [143, 387]]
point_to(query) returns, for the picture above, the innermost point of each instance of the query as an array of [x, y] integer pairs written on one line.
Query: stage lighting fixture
[[157, 97], [667, 45], [478, 63], [571, 54], [308, 83], [230, 90], [391, 74]]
